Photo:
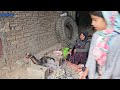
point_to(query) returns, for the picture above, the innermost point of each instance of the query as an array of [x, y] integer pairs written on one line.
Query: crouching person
[[79, 49]]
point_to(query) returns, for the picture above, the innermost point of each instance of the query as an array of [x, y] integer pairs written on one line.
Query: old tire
[[66, 30]]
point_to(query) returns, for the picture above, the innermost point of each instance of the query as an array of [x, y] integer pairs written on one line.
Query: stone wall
[[27, 31]]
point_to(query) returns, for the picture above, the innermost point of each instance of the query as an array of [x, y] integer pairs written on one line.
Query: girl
[[104, 56]]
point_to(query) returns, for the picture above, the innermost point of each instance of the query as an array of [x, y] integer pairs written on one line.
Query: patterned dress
[[79, 57]]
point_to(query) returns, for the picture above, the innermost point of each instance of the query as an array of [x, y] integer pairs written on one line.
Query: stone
[[37, 72], [6, 68], [20, 62]]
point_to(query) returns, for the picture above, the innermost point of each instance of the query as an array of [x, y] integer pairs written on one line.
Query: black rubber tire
[[66, 30]]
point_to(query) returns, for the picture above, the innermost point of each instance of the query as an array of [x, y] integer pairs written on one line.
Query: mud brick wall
[[27, 31]]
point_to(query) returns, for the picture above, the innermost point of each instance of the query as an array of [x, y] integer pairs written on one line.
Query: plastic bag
[[65, 52]]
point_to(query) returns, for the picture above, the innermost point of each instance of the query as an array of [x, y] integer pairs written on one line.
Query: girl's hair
[[96, 13]]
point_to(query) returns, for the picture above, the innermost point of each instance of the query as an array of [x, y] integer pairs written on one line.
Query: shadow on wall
[[83, 19]]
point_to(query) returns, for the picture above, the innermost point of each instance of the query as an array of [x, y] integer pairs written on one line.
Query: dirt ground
[[17, 73], [18, 70], [21, 73]]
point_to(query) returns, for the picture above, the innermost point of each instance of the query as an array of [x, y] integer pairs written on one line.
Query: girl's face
[[82, 37], [98, 22]]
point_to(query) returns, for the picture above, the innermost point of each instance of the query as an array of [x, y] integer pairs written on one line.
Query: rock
[[6, 68], [19, 62]]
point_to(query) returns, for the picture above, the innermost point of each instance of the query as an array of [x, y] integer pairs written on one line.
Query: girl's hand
[[74, 50], [70, 51]]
